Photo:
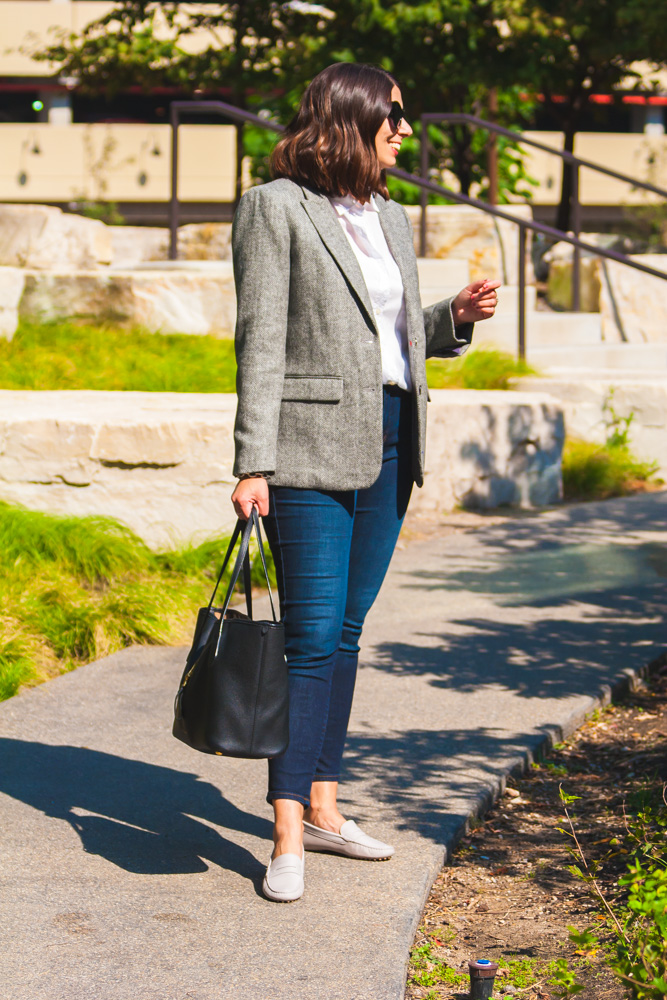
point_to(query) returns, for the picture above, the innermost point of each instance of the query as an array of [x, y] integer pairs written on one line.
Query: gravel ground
[[508, 896]]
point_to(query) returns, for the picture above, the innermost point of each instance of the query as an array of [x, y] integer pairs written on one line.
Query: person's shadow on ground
[[140, 817]]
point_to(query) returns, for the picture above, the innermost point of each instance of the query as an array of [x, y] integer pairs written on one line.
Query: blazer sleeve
[[443, 338], [261, 255]]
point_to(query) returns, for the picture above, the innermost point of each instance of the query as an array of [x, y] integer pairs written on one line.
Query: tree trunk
[[564, 214]]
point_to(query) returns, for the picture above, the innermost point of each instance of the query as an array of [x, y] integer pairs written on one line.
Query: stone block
[[634, 305], [167, 301], [489, 245], [136, 244], [489, 449], [197, 241], [205, 241], [559, 284], [43, 237], [12, 280], [586, 400], [162, 462]]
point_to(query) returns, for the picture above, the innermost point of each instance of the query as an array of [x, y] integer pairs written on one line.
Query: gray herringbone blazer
[[309, 378]]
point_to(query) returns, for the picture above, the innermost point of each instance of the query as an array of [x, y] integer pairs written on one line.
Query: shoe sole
[[278, 899], [344, 854]]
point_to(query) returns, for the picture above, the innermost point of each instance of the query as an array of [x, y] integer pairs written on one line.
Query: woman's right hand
[[251, 493]]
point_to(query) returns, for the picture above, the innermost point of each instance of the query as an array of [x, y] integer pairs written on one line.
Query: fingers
[[251, 493]]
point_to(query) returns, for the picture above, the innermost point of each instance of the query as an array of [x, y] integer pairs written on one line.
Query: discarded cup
[[482, 974]]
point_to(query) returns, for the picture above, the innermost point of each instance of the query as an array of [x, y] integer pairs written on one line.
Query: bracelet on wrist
[[253, 475]]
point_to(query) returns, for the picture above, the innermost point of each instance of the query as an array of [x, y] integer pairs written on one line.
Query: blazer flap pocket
[[313, 388]]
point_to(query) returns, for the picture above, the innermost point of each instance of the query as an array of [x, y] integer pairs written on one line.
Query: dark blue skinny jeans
[[332, 550]]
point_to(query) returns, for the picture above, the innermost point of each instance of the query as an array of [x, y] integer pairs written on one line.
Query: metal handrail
[[576, 162], [241, 116]]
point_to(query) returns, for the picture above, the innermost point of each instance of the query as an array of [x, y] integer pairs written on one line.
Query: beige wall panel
[[632, 153], [55, 173], [115, 162], [128, 162], [544, 168], [207, 162], [635, 154]]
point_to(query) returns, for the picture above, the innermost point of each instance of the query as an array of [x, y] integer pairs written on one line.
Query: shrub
[[598, 471]]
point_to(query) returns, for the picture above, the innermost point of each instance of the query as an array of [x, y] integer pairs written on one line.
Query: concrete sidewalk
[[131, 866]]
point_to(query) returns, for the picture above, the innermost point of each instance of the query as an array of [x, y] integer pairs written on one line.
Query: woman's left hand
[[475, 302]]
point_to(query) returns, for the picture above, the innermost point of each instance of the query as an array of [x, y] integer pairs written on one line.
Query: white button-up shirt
[[361, 225]]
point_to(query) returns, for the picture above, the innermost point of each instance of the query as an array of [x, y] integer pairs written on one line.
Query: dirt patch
[[508, 895]]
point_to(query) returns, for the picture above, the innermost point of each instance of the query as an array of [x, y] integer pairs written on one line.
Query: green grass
[[478, 369], [76, 588], [74, 356], [599, 471], [71, 356]]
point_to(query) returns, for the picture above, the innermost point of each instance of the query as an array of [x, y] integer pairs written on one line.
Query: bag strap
[[245, 529]]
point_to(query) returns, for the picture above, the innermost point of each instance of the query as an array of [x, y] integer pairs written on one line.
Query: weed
[[479, 369], [637, 922]]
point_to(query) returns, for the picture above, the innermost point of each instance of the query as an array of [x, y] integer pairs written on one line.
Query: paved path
[[131, 865]]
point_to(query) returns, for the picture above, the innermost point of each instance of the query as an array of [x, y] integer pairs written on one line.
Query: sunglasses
[[395, 116]]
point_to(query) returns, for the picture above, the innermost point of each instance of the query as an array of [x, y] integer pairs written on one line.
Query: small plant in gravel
[[635, 918]]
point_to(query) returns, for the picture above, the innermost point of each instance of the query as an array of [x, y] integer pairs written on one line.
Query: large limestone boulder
[[42, 237], [490, 246], [199, 300], [12, 280], [205, 241], [133, 245], [490, 449], [559, 284], [162, 462]]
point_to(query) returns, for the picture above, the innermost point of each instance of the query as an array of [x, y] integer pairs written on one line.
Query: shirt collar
[[348, 205]]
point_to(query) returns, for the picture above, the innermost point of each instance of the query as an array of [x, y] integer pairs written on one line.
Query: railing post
[[173, 201], [576, 228], [522, 293], [423, 194]]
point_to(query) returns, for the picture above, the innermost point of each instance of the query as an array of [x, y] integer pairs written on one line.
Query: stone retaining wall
[[162, 462]]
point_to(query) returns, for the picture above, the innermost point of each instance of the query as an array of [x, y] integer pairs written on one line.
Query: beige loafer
[[283, 882], [350, 841]]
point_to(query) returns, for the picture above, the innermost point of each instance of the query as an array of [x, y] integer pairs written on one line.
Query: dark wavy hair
[[330, 143]]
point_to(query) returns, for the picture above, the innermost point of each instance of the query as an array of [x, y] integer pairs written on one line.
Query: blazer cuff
[[443, 338]]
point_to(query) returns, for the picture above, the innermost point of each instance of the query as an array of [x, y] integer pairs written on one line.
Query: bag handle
[[243, 528]]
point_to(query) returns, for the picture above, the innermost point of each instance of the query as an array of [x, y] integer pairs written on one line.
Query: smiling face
[[388, 142]]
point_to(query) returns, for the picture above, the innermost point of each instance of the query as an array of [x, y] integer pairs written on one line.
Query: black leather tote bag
[[233, 695]]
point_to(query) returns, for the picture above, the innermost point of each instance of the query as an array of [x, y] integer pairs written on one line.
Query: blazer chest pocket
[[313, 388]]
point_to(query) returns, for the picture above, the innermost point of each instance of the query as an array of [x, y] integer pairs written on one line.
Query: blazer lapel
[[323, 217], [403, 253]]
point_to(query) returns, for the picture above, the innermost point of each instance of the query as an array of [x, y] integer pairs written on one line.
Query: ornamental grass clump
[[77, 588]]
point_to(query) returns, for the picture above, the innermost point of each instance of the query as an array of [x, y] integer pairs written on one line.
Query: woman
[[331, 342]]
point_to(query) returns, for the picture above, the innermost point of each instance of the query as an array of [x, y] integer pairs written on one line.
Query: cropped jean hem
[[326, 777], [288, 795]]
